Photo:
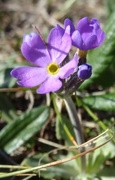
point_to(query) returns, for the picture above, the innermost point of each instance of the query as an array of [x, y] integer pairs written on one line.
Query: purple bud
[[84, 71]]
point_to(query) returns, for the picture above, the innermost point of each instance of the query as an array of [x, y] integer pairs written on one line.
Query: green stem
[[71, 109]]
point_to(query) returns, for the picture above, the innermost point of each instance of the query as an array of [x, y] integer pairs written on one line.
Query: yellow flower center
[[53, 68]]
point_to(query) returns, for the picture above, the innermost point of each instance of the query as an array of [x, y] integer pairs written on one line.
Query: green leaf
[[108, 172], [110, 6], [64, 171], [104, 102], [7, 109], [101, 58], [96, 160], [6, 80], [23, 128]]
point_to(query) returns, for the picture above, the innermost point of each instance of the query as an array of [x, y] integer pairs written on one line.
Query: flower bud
[[84, 71]]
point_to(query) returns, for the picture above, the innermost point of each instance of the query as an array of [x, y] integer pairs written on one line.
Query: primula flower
[[87, 35], [46, 58]]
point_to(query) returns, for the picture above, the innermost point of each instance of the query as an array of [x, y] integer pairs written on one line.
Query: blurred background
[[17, 18]]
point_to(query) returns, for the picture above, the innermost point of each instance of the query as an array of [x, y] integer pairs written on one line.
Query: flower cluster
[[52, 70]]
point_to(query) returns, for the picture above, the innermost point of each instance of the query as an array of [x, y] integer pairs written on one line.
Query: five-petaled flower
[[47, 72], [87, 35]]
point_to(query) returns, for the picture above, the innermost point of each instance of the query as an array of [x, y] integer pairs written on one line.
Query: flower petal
[[54, 41], [82, 23], [85, 27], [102, 38], [70, 23], [59, 45], [68, 69], [62, 30], [91, 42], [52, 84], [77, 40], [34, 50], [29, 76], [65, 46], [100, 35]]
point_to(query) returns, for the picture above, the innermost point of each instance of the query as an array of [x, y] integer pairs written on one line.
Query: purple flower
[[88, 34], [47, 72], [84, 71]]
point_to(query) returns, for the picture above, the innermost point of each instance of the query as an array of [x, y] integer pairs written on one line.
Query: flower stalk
[[76, 126]]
